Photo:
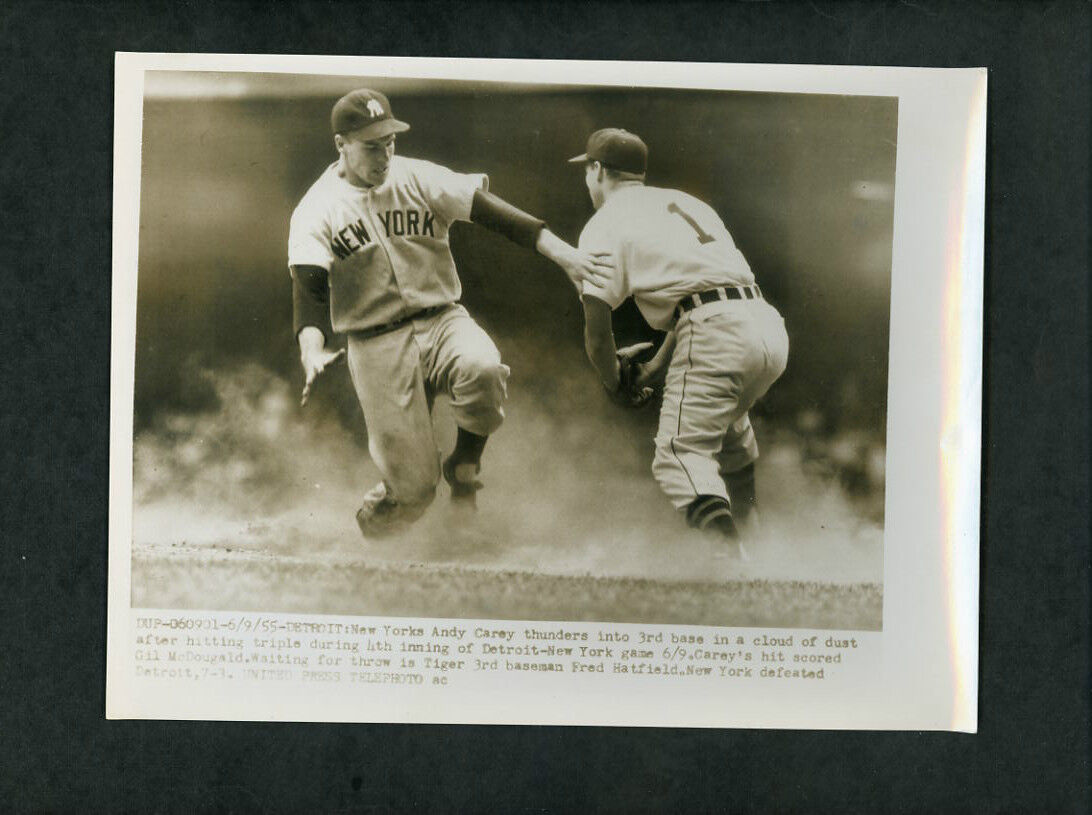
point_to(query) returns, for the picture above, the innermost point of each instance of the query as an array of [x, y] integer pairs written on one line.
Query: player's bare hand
[[595, 268], [579, 265], [634, 399], [635, 372], [652, 372], [631, 352], [314, 362], [630, 392], [649, 374]]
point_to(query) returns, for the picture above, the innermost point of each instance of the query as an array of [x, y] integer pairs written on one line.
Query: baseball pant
[[398, 374], [727, 355]]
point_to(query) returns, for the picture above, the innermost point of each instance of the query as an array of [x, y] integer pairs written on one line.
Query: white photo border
[[922, 670]]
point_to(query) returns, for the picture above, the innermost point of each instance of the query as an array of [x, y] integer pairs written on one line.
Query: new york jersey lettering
[[398, 223], [385, 248], [349, 239]]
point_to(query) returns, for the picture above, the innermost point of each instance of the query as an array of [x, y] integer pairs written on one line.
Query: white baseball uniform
[[667, 246], [387, 253]]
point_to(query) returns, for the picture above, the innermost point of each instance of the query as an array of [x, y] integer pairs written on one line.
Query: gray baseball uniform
[[386, 250], [675, 256]]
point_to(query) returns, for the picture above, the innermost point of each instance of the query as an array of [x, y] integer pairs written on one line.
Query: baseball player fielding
[[725, 345], [369, 257]]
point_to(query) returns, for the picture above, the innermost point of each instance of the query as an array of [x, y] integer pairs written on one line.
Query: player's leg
[[736, 465], [739, 448], [461, 361], [701, 399], [387, 376]]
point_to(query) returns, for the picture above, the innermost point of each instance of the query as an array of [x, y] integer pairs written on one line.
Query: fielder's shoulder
[[595, 231], [656, 195], [609, 225], [687, 200]]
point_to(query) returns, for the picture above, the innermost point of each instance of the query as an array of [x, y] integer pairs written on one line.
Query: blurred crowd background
[[805, 184]]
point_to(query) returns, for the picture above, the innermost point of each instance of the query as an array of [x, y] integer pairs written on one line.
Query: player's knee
[[481, 377], [664, 463], [664, 452], [483, 366], [494, 375], [488, 422]]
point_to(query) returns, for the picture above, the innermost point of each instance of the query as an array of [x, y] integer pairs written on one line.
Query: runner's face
[[368, 161]]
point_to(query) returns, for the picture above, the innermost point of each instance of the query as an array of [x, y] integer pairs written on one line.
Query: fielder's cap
[[368, 110], [615, 148]]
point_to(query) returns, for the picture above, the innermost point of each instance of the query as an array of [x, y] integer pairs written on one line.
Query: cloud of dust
[[565, 494], [252, 462]]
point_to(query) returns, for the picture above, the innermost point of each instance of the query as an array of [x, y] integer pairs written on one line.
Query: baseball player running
[[368, 246], [725, 344]]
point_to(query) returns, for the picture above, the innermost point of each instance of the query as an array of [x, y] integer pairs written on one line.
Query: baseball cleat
[[461, 478], [712, 513], [380, 514], [741, 554], [727, 550]]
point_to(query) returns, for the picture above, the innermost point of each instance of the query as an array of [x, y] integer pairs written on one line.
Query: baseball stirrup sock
[[709, 512], [468, 448], [741, 488]]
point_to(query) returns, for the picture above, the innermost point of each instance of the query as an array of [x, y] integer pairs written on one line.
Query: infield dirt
[[248, 506]]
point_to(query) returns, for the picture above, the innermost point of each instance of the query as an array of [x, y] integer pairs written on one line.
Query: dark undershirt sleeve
[[497, 215], [311, 299]]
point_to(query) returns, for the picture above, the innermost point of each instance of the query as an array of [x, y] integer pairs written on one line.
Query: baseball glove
[[629, 393]]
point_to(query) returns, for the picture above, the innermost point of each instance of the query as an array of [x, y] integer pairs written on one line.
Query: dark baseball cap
[[368, 110], [615, 148]]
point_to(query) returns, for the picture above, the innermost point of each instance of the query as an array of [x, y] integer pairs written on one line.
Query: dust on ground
[[256, 495]]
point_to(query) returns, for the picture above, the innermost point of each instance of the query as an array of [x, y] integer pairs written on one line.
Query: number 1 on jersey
[[703, 236]]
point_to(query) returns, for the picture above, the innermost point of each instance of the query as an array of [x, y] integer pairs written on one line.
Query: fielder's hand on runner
[[593, 267], [578, 264], [315, 358]]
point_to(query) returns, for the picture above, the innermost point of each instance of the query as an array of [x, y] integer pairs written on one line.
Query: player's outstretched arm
[[310, 294], [496, 214], [579, 265]]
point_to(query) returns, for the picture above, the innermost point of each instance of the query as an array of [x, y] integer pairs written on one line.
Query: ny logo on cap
[[375, 108]]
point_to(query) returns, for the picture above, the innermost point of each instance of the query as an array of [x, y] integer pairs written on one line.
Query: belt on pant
[[692, 301], [376, 330]]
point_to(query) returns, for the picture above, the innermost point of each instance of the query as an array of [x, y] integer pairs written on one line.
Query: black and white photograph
[[557, 407], [505, 351], [484, 377]]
